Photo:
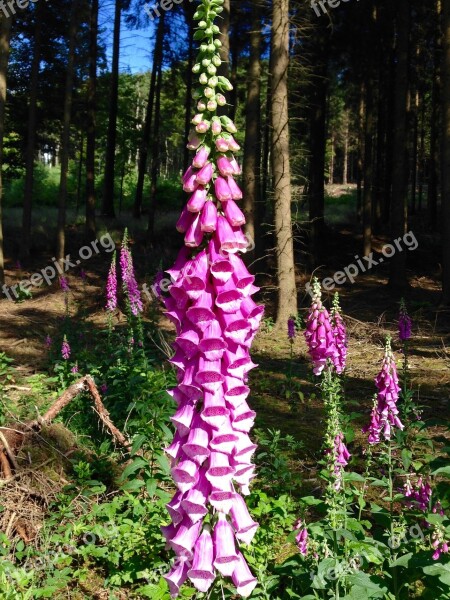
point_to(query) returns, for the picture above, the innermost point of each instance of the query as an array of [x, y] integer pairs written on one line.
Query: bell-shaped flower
[[184, 541], [201, 573], [222, 189], [197, 201], [242, 578], [185, 475], [176, 577], [208, 219], [224, 547], [236, 192], [243, 523]]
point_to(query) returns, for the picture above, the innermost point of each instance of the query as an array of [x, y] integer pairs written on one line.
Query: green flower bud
[[212, 70], [216, 61]]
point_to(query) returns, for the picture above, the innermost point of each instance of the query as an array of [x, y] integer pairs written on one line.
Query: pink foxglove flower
[[319, 335], [404, 323], [111, 287], [385, 412], [211, 307], [340, 335], [291, 329], [341, 458], [129, 279], [302, 537], [418, 495], [48, 341], [64, 284], [65, 349]]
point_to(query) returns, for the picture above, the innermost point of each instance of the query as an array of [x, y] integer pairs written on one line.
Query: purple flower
[[65, 349], [64, 284], [129, 279], [48, 341], [418, 495], [340, 335], [291, 329], [111, 286], [302, 537], [385, 412], [319, 334], [74, 369], [83, 274], [404, 323], [103, 388], [341, 458]]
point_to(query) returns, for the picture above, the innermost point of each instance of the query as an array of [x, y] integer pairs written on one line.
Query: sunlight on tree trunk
[[446, 153], [287, 292], [5, 33], [65, 139]]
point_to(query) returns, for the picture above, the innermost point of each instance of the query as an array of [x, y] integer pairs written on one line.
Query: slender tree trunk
[[421, 170], [346, 145], [108, 197], [446, 153], [399, 210], [332, 159], [415, 160], [368, 169], [252, 146], [188, 100], [435, 124], [318, 147], [360, 153], [287, 292], [65, 139], [5, 33], [31, 137], [143, 153], [156, 142], [80, 171], [224, 68], [91, 119]]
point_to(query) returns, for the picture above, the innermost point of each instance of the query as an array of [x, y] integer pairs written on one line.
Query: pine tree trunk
[[346, 145], [415, 145], [25, 246], [368, 169], [156, 142], [287, 292], [224, 24], [143, 153], [318, 144], [65, 139], [252, 146], [360, 153], [5, 33], [399, 209], [446, 153], [434, 128], [91, 118], [110, 160], [188, 101], [332, 160]]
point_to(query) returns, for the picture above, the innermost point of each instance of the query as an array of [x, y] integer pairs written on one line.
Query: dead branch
[[10, 454], [6, 469]]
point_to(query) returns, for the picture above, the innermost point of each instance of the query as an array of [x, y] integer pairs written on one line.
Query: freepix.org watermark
[[351, 272], [154, 10], [8, 7], [49, 273], [323, 5]]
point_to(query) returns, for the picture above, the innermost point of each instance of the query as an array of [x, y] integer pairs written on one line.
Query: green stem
[[391, 516]]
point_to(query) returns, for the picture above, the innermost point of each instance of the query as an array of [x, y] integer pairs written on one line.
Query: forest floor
[[370, 309]]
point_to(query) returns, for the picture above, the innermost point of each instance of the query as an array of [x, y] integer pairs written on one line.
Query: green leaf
[[403, 561], [133, 486], [354, 477], [138, 463], [439, 570], [406, 457], [442, 471], [311, 501]]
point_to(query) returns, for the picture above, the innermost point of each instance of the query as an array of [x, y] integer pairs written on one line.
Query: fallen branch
[[10, 454], [6, 469]]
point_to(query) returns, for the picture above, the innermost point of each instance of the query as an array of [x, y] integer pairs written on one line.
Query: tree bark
[[346, 146], [25, 245], [434, 128], [252, 145], [224, 68], [91, 120], [65, 139], [369, 130], [110, 159], [287, 292], [399, 209], [143, 153], [188, 101], [446, 154], [155, 157], [318, 144], [5, 34]]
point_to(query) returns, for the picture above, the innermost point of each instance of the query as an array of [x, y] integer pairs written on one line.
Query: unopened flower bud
[[206, 62], [196, 68], [197, 119], [221, 100], [212, 105], [208, 93], [216, 61], [213, 81], [203, 78], [202, 127], [212, 70], [201, 105]]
